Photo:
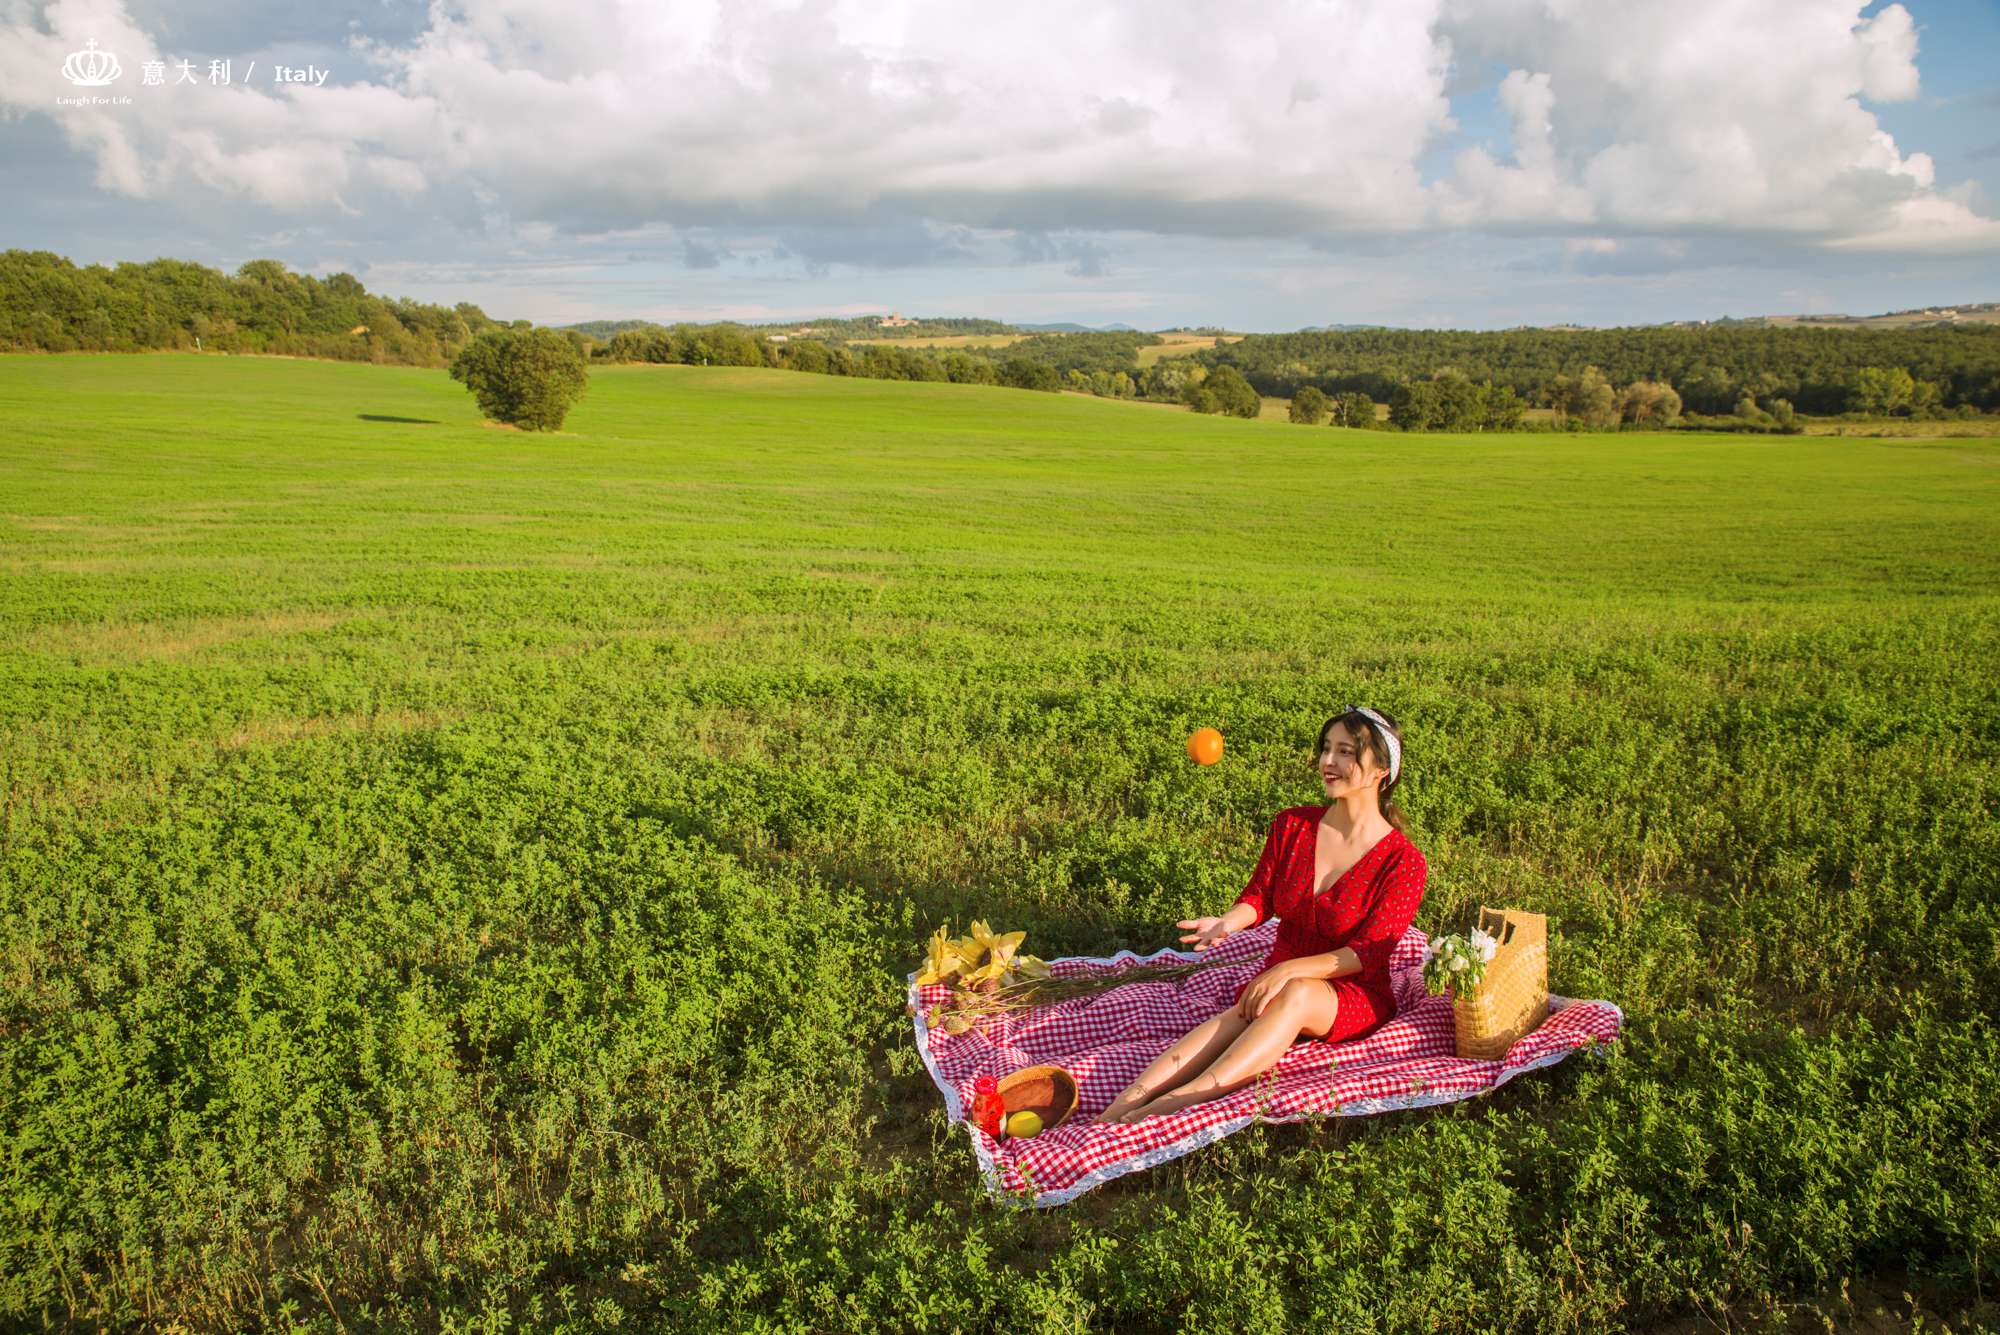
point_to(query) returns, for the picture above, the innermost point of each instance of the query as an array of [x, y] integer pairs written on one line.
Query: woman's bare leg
[[1183, 1061], [1307, 1006]]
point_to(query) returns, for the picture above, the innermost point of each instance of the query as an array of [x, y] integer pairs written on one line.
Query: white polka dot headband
[[1382, 726]]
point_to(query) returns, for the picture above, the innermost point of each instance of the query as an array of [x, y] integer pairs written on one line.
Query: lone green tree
[[528, 377], [1230, 393], [1308, 406]]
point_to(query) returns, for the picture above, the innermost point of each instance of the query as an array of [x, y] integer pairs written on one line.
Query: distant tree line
[[1592, 401], [1431, 380], [1101, 363], [1710, 371], [729, 344], [870, 326], [1721, 379], [50, 304], [843, 329], [1094, 363]]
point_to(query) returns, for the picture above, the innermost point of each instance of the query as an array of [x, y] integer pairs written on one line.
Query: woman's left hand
[[1262, 991]]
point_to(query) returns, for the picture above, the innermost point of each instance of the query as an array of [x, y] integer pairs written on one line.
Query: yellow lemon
[[1023, 1124]]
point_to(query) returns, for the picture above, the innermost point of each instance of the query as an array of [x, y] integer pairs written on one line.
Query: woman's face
[[1343, 766]]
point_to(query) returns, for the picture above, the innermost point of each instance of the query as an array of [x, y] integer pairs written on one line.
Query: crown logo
[[90, 67]]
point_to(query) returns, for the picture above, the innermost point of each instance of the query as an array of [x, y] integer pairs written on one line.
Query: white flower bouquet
[[1458, 962]]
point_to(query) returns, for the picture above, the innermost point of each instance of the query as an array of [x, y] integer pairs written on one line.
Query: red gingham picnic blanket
[[1105, 1041]]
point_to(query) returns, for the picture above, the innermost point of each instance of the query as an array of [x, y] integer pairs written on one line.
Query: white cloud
[[1693, 117], [867, 130], [294, 151]]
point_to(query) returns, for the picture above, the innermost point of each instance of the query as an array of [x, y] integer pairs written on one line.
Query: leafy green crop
[[459, 879]]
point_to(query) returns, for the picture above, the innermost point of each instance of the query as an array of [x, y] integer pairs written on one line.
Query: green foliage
[[1197, 398], [1352, 409], [1023, 373], [1223, 390], [1451, 404], [1308, 407], [1108, 353], [888, 363], [734, 345], [1104, 364], [1588, 398], [49, 303], [1647, 403], [1709, 367], [963, 369], [693, 345], [862, 327], [1234, 394], [1500, 408], [450, 889], [528, 377], [855, 329], [1879, 391]]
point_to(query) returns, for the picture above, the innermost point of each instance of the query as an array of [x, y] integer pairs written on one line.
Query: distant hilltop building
[[896, 321]]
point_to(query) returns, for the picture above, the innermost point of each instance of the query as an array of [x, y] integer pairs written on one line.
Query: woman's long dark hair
[[1376, 748]]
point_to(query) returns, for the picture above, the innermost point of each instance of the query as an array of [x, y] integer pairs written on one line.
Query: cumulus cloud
[[294, 150], [875, 132], [1702, 117]]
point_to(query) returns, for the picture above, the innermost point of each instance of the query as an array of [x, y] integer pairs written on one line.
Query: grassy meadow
[[461, 880]]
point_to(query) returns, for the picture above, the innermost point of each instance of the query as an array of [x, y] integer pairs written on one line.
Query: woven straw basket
[[1049, 1092], [1512, 999]]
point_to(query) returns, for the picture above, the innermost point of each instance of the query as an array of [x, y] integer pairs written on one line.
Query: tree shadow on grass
[[414, 421]]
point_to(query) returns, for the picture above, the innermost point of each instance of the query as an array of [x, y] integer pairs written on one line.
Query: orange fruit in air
[[1205, 747]]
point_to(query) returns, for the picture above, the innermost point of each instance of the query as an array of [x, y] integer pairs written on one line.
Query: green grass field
[[461, 880]]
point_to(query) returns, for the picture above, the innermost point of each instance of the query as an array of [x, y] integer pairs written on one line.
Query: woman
[[1346, 884]]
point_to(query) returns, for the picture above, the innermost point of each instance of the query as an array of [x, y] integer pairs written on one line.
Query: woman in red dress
[[1345, 884]]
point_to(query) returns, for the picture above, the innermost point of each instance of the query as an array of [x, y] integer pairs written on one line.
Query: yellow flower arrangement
[[941, 960], [988, 975], [986, 956], [991, 953]]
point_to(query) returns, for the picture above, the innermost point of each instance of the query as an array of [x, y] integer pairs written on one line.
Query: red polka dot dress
[[1366, 910]]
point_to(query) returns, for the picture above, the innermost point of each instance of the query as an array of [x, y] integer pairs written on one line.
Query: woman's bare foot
[[1133, 1097], [1165, 1105]]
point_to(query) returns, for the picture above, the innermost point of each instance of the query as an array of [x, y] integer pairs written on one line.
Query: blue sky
[[1467, 163]]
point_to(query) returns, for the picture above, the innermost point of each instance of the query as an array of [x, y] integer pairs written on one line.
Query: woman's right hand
[[1206, 932]]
